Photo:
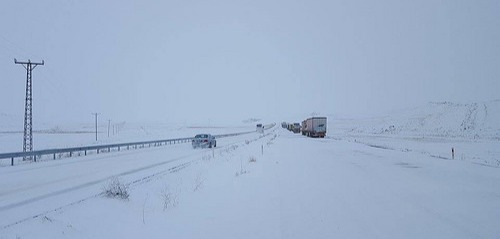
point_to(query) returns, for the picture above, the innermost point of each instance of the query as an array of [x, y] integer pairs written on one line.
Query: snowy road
[[29, 190], [281, 186]]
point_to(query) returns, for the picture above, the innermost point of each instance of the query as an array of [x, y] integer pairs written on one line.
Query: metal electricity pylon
[[28, 107]]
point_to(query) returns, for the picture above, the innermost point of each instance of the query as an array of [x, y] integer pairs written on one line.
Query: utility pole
[[28, 106], [109, 123], [95, 114]]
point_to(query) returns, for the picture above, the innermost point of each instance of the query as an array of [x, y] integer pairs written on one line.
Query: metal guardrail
[[108, 147]]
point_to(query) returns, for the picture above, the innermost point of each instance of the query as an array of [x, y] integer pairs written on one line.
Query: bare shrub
[[116, 189], [198, 183], [252, 159], [169, 199], [242, 170], [206, 157], [240, 173]]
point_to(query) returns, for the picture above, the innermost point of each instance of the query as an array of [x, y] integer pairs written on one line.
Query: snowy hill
[[436, 119]]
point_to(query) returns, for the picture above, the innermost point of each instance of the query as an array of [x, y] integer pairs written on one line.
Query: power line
[[20, 50], [28, 107]]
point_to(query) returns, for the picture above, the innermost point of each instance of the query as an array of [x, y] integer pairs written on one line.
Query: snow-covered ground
[[48, 136], [353, 184], [478, 120], [472, 130]]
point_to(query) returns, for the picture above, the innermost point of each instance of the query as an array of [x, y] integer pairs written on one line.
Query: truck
[[295, 128], [314, 127], [260, 128], [284, 125]]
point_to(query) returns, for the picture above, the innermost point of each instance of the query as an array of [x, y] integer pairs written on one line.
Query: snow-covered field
[[472, 130], [359, 182], [479, 120], [74, 135]]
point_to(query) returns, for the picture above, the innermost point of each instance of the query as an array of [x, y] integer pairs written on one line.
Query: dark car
[[204, 141]]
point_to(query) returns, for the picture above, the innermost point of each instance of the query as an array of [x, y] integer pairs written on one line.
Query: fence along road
[[108, 147]]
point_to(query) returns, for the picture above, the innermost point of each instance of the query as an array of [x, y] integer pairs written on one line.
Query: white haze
[[226, 61]]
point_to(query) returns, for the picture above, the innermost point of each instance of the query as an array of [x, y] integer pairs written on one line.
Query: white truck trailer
[[314, 127]]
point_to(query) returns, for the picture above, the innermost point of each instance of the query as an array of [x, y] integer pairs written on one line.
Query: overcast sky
[[226, 60]]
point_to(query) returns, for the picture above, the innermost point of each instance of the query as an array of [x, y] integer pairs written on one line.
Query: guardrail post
[[118, 148], [12, 161], [85, 152], [97, 151], [54, 156], [70, 153]]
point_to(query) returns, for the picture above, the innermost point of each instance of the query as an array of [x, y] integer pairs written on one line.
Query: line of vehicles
[[209, 141], [312, 127]]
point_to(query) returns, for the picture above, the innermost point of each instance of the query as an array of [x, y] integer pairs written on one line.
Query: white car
[[204, 141]]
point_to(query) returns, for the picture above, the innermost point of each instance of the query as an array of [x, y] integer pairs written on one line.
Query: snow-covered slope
[[437, 119]]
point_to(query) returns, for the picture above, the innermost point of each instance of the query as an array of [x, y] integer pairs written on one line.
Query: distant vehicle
[[314, 127], [296, 128], [284, 125], [260, 128], [204, 141]]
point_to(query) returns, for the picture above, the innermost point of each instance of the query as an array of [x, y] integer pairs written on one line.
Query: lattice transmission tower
[[28, 107]]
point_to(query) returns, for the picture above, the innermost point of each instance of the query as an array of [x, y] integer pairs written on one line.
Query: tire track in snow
[[88, 184], [38, 198]]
